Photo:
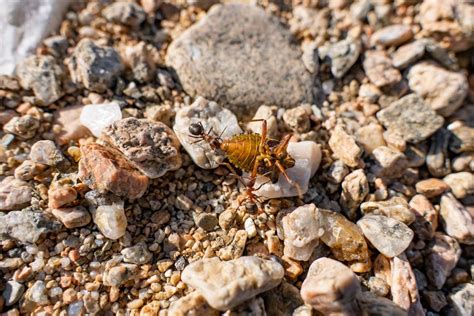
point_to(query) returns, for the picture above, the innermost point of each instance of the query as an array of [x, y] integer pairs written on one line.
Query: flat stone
[[73, 217], [138, 254], [461, 299], [456, 219], [71, 128], [389, 162], [431, 187], [345, 147], [119, 274], [378, 67], [388, 235], [45, 152], [228, 57], [14, 194], [96, 117], [441, 89], [341, 55], [371, 304], [23, 127], [395, 207], [411, 118], [444, 253], [28, 170], [207, 221], [330, 287], [26, 226], [111, 220], [461, 184], [13, 292], [408, 54], [392, 35], [426, 220], [226, 284], [105, 169], [151, 147]]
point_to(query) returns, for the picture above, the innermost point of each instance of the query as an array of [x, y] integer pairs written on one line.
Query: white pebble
[[250, 228], [98, 116]]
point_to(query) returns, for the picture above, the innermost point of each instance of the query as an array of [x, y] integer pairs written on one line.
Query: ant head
[[196, 129]]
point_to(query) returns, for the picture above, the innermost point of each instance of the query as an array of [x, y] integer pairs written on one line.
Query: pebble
[[37, 293], [140, 60], [250, 228], [96, 117], [436, 300], [71, 127], [191, 304], [42, 75], [111, 220], [105, 169], [355, 188], [24, 127], [119, 274], [331, 288], [342, 55], [456, 219], [378, 286], [207, 221], [60, 195], [395, 207], [461, 299], [441, 89], [388, 235], [437, 159], [310, 57], [443, 255], [298, 119], [411, 118], [226, 284], [408, 54], [426, 221], [389, 163], [460, 183], [345, 147], [138, 254], [370, 137], [45, 152], [212, 116], [219, 47], [283, 299], [392, 35], [28, 170], [264, 113], [462, 139], [379, 69], [371, 304], [127, 13], [96, 67], [26, 226], [337, 172], [73, 217], [13, 292], [431, 187], [14, 194], [149, 146]]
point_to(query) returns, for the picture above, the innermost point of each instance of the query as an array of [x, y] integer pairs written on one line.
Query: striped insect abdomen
[[242, 150]]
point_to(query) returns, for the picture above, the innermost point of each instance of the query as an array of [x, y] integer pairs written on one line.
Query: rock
[[337, 172], [441, 54], [37, 293], [389, 163], [45, 152], [96, 117], [456, 219], [42, 75], [239, 41], [298, 119], [282, 300], [403, 288], [13, 292], [226, 284], [23, 29], [411, 118], [395, 207], [370, 304], [206, 221], [28, 170], [212, 117], [370, 137], [378, 286], [408, 54], [462, 139], [388, 235], [307, 155], [436, 300], [461, 299], [444, 253], [111, 220], [264, 113], [378, 67], [341, 55], [191, 304], [437, 159], [355, 188], [443, 90], [310, 57], [73, 217], [345, 147], [139, 58], [24, 127], [104, 169], [392, 35], [236, 248], [461, 184], [26, 226], [426, 220], [118, 275], [345, 240], [14, 194], [301, 232], [464, 162], [127, 13], [149, 146], [431, 187], [71, 128], [138, 254], [331, 288], [61, 194], [94, 66]]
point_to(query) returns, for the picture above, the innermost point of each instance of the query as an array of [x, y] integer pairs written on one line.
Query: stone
[[436, 300], [379, 69], [461, 299], [462, 139], [45, 152], [13, 292], [301, 230], [42, 75], [26, 226], [389, 162], [236, 247], [370, 304], [212, 117], [341, 55], [68, 119], [310, 57], [355, 188], [96, 117], [139, 58], [119, 274], [282, 300], [226, 284], [345, 147], [149, 146], [337, 172], [456, 219], [411, 118], [191, 304], [431, 187], [441, 89], [388, 235], [378, 286], [370, 137], [105, 169], [404, 289], [298, 119], [239, 41], [123, 12], [392, 35], [395, 207], [443, 255], [111, 220], [307, 155], [138, 254], [207, 221], [73, 217], [441, 54], [61, 194], [408, 54], [437, 159], [24, 127], [460, 183], [426, 221], [37, 293], [331, 288], [264, 113], [14, 194], [28, 170], [96, 67]]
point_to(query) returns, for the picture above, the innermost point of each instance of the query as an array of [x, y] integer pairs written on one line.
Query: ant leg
[[283, 145], [234, 172], [293, 183]]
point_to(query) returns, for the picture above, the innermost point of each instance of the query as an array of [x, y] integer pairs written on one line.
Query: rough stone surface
[[192, 304], [371, 304], [431, 187], [282, 300], [392, 35], [337, 172], [437, 159], [331, 287], [26, 226], [389, 162], [138, 254], [408, 54], [395, 207], [370, 137], [228, 57], [127, 13], [456, 219], [378, 67], [461, 298], [28, 170], [444, 254], [71, 128], [151, 147], [345, 147], [411, 118], [119, 274], [461, 184], [426, 221], [24, 127], [111, 220], [73, 217], [226, 284], [462, 139], [14, 194], [61, 194], [341, 55], [45, 152], [12, 292], [96, 117], [355, 188]]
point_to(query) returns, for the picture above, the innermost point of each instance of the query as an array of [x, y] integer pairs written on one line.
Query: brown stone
[[431, 187]]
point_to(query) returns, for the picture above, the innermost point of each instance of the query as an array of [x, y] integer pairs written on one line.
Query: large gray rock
[[26, 226], [239, 56]]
